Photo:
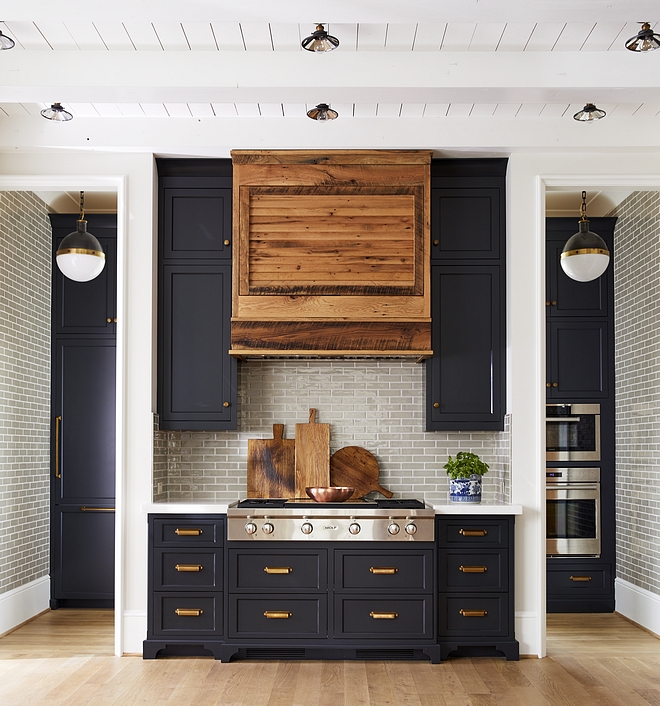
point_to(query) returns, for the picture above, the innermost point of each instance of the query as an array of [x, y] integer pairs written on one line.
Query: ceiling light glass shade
[[6, 42], [645, 40], [323, 112], [585, 256], [57, 113], [80, 256], [320, 41], [589, 113]]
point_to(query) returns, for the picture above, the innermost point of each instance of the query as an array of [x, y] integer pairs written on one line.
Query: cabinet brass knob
[[226, 242], [473, 613], [115, 320], [278, 614], [547, 384], [436, 242], [555, 384], [436, 405], [225, 404], [547, 303], [109, 321], [189, 612], [554, 303]]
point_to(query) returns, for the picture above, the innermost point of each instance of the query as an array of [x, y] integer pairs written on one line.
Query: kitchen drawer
[[462, 616], [204, 614], [186, 530], [473, 531], [384, 571], [473, 571], [594, 580], [304, 617], [273, 572], [403, 617], [187, 569]]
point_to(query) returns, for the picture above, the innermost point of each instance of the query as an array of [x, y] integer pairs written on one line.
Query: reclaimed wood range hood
[[331, 253]]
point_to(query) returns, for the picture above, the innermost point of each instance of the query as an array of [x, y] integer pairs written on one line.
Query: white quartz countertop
[[440, 507]]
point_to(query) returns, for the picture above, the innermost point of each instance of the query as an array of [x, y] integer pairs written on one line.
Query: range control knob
[[306, 528], [250, 528], [354, 528], [393, 528], [411, 528], [268, 528]]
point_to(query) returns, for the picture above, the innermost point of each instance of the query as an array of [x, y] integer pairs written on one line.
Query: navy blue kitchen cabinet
[[83, 388], [466, 374], [197, 378]]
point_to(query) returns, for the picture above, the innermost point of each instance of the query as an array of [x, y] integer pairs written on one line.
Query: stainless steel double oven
[[573, 505]]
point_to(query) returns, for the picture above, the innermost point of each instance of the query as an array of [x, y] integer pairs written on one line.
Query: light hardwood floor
[[65, 657]]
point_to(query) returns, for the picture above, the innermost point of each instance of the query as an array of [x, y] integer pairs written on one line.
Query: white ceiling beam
[[290, 77]]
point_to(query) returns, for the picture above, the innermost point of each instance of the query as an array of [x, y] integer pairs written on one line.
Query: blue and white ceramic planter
[[465, 490]]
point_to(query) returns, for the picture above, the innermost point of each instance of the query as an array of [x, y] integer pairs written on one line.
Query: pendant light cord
[[583, 208], [82, 206]]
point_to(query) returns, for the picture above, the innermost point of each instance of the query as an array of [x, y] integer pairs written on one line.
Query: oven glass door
[[574, 438], [573, 520]]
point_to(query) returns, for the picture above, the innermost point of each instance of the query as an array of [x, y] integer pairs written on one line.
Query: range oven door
[[572, 432], [573, 519]]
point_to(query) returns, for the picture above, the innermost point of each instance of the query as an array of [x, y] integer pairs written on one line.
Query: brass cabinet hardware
[[278, 614], [473, 569], [547, 384], [225, 404], [473, 533], [226, 242], [189, 612], [189, 567], [436, 242], [97, 509], [278, 569], [555, 384], [436, 405], [383, 616], [187, 532], [115, 320], [554, 303], [547, 303], [473, 613], [109, 321], [58, 420], [383, 570], [580, 578]]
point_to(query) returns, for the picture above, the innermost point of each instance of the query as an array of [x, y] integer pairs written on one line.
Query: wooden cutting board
[[357, 468], [312, 455], [271, 466]]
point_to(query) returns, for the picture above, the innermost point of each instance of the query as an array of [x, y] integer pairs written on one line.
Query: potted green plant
[[465, 472]]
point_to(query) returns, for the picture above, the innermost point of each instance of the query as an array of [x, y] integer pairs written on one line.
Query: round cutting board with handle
[[358, 468]]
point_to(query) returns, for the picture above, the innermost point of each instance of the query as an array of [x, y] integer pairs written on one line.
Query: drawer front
[[187, 570], [382, 571], [254, 617], [595, 580], [188, 531], [401, 617], [472, 531], [473, 571], [183, 614], [272, 572], [473, 616]]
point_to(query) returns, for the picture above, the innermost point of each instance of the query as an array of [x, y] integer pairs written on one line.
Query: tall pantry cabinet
[[83, 425]]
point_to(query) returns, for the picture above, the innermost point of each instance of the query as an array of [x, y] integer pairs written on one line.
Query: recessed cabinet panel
[[271, 572], [187, 614], [473, 571], [180, 570], [393, 617], [383, 571], [277, 616], [485, 615]]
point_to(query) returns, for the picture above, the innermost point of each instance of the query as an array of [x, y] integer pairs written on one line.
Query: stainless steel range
[[400, 520]]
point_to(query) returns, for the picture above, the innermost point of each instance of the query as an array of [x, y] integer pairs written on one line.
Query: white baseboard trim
[[22, 603], [638, 604], [528, 633], [134, 631]]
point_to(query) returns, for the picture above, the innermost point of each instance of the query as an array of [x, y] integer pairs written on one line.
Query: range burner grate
[[391, 504]]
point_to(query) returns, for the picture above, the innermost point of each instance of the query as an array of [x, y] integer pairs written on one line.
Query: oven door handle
[[562, 419], [572, 486]]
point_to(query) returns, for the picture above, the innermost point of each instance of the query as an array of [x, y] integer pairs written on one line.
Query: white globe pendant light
[[585, 256], [80, 256]]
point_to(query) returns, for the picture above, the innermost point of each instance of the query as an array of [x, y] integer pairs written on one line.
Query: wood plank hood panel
[[328, 237]]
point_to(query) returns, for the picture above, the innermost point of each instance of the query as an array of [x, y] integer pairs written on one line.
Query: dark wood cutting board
[[357, 468], [271, 466], [312, 455]]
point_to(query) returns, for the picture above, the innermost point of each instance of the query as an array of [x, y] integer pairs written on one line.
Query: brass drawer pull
[[580, 578], [84, 508], [278, 569], [383, 616], [187, 532], [189, 567], [473, 533], [389, 570], [189, 612], [473, 569], [278, 614], [473, 613]]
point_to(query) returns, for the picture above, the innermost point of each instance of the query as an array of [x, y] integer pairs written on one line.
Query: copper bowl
[[332, 494]]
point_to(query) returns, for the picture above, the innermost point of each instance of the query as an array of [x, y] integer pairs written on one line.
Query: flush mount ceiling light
[[56, 113], [6, 42], [585, 256], [645, 40], [80, 256], [589, 113], [320, 41], [323, 112]]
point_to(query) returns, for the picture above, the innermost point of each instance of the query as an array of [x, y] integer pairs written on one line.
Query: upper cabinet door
[[565, 296], [195, 222], [86, 307], [466, 223]]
